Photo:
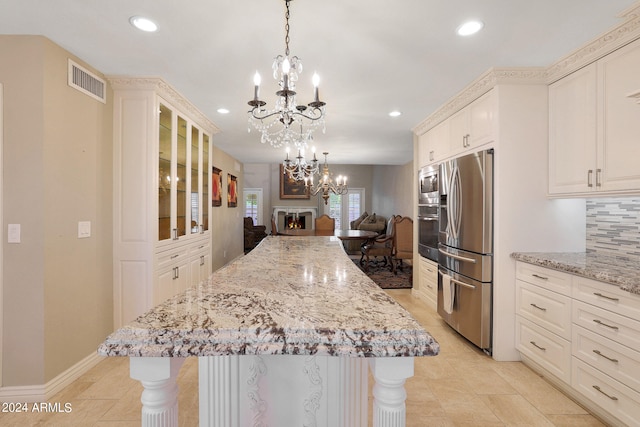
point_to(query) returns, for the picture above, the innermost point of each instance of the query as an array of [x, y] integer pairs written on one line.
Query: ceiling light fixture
[[395, 113], [469, 28], [277, 125], [300, 169], [223, 111], [326, 184], [144, 24]]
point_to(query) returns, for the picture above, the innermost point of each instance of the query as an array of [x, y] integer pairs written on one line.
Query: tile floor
[[460, 387]]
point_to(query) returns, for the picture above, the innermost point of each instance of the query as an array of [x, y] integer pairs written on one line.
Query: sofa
[[253, 234], [373, 222]]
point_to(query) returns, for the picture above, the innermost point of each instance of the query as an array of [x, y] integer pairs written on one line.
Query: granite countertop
[[621, 271], [290, 295]]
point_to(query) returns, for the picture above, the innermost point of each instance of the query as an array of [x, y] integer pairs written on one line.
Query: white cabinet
[[543, 318], [594, 123], [162, 150], [428, 282], [587, 335], [474, 125], [434, 144]]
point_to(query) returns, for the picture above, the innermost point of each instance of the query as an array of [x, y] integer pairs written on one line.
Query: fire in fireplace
[[294, 221]]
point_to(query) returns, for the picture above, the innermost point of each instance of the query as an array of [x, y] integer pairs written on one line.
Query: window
[[252, 202], [345, 208]]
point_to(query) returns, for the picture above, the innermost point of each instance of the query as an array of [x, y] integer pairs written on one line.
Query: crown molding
[[166, 91], [483, 84], [623, 34]]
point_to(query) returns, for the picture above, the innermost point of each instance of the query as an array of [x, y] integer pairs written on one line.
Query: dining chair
[[403, 241], [325, 223]]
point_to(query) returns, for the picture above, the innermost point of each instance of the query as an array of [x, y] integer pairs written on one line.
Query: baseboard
[[43, 392]]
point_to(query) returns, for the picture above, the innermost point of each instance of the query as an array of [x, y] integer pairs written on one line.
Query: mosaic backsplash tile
[[613, 226]]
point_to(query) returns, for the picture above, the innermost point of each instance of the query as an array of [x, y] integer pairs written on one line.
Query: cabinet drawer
[[548, 350], [607, 296], [166, 258], [615, 360], [548, 309], [617, 328], [429, 277], [552, 280], [614, 397]]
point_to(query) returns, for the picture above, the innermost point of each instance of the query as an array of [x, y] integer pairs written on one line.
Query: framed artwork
[[290, 188], [232, 191], [216, 187]]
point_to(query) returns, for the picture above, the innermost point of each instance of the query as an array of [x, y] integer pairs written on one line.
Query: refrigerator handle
[[457, 282], [458, 257]]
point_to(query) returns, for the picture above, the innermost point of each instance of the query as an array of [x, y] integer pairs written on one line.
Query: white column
[[389, 395], [218, 382], [160, 395]]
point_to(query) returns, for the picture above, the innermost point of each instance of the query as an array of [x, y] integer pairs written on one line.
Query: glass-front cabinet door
[[183, 177], [165, 160]]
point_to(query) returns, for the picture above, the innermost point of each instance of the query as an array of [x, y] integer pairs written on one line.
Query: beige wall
[[227, 239], [57, 303], [393, 190]]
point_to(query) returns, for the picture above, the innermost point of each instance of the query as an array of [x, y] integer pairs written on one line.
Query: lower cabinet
[[181, 268], [586, 335], [428, 282]]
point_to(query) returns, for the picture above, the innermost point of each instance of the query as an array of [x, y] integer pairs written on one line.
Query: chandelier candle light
[[326, 184], [277, 125], [300, 169]]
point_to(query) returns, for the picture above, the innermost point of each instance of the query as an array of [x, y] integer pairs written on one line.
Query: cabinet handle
[[601, 323], [606, 357], [598, 294], [608, 395], [537, 346], [598, 181], [201, 229], [540, 277], [175, 256], [175, 234], [538, 307], [431, 155], [175, 273], [589, 178], [201, 259]]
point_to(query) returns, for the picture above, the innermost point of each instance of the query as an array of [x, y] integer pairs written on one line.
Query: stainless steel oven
[[428, 210]]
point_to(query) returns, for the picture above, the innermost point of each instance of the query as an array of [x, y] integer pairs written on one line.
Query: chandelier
[[276, 125], [326, 184], [300, 169]]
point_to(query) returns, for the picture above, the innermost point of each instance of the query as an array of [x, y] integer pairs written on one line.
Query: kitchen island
[[284, 336]]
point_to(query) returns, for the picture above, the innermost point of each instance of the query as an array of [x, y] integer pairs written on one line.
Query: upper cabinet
[[594, 127], [474, 125], [466, 130]]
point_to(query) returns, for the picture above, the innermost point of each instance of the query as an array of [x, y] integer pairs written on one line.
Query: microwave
[[428, 192]]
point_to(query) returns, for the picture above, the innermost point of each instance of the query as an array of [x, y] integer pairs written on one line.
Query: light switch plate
[[84, 229], [13, 233]]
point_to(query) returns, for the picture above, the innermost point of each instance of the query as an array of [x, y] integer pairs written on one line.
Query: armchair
[[253, 234], [403, 241], [381, 246]]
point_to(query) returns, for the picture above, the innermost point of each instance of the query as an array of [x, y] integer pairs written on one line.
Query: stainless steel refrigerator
[[465, 246]]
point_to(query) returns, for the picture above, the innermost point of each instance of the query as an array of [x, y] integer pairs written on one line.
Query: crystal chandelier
[[299, 169], [276, 125], [326, 184]]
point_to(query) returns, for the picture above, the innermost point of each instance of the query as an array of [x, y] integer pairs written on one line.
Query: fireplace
[[294, 216], [295, 221]]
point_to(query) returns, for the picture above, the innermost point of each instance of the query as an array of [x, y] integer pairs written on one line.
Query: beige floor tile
[[575, 421], [514, 410]]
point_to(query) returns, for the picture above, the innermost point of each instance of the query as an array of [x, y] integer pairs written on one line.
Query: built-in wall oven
[[428, 201]]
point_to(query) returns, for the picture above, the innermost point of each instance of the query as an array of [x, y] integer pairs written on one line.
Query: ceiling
[[373, 56]]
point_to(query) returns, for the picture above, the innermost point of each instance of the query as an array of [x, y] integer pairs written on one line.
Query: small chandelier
[[276, 124], [300, 169], [326, 184]]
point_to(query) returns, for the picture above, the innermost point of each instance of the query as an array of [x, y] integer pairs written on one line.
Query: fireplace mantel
[[300, 210]]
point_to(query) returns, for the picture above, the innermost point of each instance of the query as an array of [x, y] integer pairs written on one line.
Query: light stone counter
[[620, 271], [290, 296]]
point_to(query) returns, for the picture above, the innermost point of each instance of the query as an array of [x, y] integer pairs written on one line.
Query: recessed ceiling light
[[144, 24], [223, 111], [395, 113], [469, 28]]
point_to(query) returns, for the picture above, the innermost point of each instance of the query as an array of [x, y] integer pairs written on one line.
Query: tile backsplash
[[613, 226]]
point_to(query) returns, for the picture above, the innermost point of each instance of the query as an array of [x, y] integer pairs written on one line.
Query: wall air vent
[[86, 82]]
